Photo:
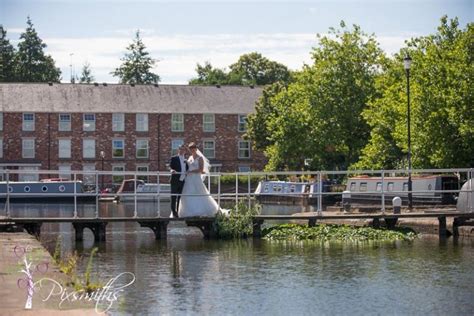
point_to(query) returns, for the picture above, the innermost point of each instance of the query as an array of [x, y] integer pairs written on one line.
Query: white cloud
[[179, 54]]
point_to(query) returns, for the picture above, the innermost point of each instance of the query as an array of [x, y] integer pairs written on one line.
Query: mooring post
[[312, 222], [79, 231], [443, 231], [257, 227]]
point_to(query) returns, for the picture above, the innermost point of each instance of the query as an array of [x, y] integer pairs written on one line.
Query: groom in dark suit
[[178, 168]]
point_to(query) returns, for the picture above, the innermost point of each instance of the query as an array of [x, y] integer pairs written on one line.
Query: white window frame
[[64, 171], [88, 178], [118, 122], [242, 123], [206, 150], [244, 168], [114, 148], [1, 148], [240, 149], [142, 122], [177, 122], [87, 150], [143, 141], [117, 179], [28, 152], [141, 177], [175, 143], [209, 122], [1, 121], [28, 125], [87, 124], [64, 125], [64, 148]]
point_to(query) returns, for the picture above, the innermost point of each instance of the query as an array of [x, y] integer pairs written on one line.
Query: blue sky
[[183, 33]]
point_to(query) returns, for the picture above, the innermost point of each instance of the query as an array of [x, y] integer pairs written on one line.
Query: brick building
[[123, 127]]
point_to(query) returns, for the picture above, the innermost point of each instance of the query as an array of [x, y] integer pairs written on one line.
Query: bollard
[[397, 205], [346, 201]]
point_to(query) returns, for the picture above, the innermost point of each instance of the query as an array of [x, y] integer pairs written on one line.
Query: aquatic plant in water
[[325, 232], [237, 223]]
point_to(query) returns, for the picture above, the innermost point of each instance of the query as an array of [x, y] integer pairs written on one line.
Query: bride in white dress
[[195, 198]]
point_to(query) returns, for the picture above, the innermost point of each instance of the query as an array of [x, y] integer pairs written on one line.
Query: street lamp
[[407, 65], [102, 156]]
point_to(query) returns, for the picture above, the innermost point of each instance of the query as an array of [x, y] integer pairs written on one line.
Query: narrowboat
[[48, 190], [293, 193], [425, 189], [145, 192]]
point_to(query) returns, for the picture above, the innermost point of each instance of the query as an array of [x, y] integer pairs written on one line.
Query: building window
[[88, 148], [1, 148], [244, 149], [242, 123], [64, 172], [64, 148], [175, 143], [28, 148], [64, 122], [142, 122], [118, 148], [118, 122], [1, 121], [142, 148], [89, 123], [208, 123], [177, 122], [117, 178], [28, 122], [244, 169], [209, 148], [142, 168], [88, 177]]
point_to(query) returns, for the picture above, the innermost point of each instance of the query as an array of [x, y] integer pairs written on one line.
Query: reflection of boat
[[145, 192], [426, 189], [292, 193], [45, 190]]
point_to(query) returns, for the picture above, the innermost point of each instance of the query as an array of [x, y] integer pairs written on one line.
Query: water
[[188, 275]]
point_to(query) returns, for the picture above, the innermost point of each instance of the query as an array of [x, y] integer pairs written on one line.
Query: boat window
[[266, 188], [292, 188], [353, 186], [277, 188], [405, 186], [379, 187], [62, 188], [10, 189], [44, 188], [430, 187], [27, 189], [390, 186], [363, 187]]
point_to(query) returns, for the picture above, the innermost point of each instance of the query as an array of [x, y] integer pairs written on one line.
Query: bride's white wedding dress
[[201, 204]]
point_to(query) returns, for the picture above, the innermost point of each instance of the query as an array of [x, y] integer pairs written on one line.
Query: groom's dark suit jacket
[[175, 164]]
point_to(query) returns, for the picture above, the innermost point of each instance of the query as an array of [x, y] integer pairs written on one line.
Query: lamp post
[[407, 65], [102, 156]]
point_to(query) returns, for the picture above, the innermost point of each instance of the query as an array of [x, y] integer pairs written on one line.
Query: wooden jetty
[[159, 225]]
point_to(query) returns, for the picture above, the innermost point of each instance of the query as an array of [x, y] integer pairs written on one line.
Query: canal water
[[187, 275]]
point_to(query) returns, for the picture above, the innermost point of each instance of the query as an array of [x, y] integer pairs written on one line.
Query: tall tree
[[137, 64], [254, 69], [31, 63], [7, 53], [208, 75], [442, 112], [318, 116], [86, 74]]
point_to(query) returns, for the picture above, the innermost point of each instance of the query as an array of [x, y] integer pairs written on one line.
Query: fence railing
[[98, 186]]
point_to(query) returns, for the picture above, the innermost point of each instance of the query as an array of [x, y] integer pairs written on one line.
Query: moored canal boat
[[145, 192]]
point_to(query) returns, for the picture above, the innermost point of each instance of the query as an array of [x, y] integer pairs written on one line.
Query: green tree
[[7, 53], [254, 69], [31, 63], [442, 112], [137, 64], [208, 75], [318, 116], [86, 74]]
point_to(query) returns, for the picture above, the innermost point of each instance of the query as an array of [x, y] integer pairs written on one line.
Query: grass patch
[[325, 232]]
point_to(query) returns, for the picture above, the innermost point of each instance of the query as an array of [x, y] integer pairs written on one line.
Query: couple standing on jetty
[[189, 195]]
